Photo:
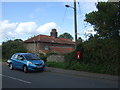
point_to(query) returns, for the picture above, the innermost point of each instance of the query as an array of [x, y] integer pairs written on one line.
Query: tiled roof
[[49, 39], [59, 50]]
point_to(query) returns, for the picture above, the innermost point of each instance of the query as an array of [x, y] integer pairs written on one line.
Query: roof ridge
[[50, 39], [49, 36]]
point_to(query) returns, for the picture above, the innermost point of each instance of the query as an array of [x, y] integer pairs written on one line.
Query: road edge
[[83, 74]]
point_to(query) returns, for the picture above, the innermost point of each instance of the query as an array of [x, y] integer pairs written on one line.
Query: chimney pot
[[53, 33]]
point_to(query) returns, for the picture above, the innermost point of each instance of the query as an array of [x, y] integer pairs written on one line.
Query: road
[[19, 79]]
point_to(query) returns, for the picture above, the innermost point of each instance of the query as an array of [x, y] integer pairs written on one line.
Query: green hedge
[[12, 46], [89, 67], [98, 55]]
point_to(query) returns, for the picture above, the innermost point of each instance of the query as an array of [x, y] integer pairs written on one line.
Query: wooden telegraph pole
[[75, 23]]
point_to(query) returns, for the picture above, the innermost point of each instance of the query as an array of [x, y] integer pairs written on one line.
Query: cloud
[[46, 27], [7, 28], [24, 30]]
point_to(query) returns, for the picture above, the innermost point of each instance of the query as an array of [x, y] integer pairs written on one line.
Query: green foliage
[[72, 56], [4, 60], [102, 51], [55, 64], [48, 54], [89, 67], [66, 36], [10, 47], [43, 57], [106, 19], [98, 55]]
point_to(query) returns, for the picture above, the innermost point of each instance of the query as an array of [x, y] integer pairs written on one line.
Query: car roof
[[23, 53]]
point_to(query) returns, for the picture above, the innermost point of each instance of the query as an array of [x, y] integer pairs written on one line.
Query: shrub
[[99, 55], [12, 46], [48, 54], [55, 64]]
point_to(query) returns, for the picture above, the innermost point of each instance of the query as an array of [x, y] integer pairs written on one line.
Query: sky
[[22, 20]]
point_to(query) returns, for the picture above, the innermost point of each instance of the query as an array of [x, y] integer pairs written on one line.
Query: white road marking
[[16, 79]]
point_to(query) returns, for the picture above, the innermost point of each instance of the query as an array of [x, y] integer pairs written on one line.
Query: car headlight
[[29, 63]]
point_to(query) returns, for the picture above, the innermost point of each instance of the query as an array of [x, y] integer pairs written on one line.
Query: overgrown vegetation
[[12, 46], [89, 67], [101, 55], [55, 64]]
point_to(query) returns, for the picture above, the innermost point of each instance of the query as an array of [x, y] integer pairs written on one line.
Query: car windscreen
[[31, 57]]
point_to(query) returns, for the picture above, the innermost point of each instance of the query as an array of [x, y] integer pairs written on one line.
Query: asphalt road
[[19, 79]]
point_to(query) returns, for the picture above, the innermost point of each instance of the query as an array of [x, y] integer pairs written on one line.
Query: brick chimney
[[53, 33]]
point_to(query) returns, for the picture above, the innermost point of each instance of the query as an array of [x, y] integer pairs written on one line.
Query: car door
[[14, 61], [20, 62]]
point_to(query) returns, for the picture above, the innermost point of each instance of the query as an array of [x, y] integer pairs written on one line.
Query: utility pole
[[75, 23]]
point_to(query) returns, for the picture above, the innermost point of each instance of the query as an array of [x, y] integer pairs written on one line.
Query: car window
[[20, 56], [31, 57], [15, 57]]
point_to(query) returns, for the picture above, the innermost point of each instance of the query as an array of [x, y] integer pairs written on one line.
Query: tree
[[12, 46], [66, 36], [106, 20]]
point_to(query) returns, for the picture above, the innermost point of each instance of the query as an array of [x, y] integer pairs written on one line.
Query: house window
[[46, 48], [52, 41]]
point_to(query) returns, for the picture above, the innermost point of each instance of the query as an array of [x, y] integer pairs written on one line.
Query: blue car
[[26, 62]]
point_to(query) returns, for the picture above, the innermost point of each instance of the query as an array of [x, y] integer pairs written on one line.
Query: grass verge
[[4, 60], [103, 69]]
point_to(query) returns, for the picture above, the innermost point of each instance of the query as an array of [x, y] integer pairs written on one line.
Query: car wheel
[[25, 69], [11, 66]]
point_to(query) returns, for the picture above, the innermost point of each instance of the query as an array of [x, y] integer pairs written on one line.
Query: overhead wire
[[63, 19], [81, 19]]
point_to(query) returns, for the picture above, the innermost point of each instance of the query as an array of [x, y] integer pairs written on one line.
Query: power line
[[63, 17], [79, 7], [64, 14], [81, 21]]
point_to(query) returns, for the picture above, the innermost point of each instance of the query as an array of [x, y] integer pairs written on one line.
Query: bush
[[55, 64], [72, 56], [12, 46], [48, 54], [98, 55], [44, 58]]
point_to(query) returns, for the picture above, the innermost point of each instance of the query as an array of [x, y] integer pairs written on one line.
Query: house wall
[[56, 58], [31, 47], [35, 47]]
